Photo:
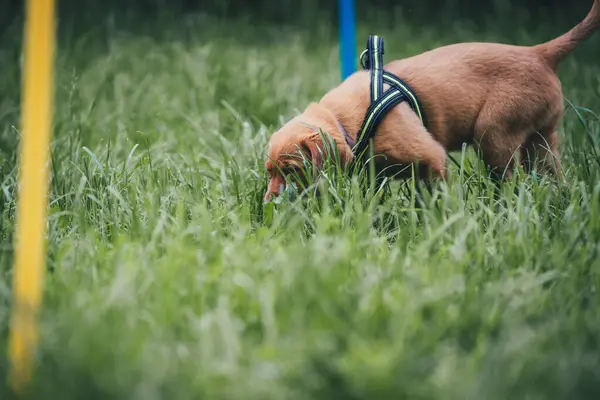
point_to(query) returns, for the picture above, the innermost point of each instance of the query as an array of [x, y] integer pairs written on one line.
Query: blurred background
[[299, 11], [308, 13]]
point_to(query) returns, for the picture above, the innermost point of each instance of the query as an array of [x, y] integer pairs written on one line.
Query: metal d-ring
[[362, 58]]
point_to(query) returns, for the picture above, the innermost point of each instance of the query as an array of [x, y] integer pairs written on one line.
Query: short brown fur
[[506, 100]]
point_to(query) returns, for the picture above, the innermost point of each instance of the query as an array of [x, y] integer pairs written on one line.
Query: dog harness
[[381, 102]]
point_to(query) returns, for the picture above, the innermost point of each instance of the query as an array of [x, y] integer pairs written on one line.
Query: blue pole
[[347, 38]]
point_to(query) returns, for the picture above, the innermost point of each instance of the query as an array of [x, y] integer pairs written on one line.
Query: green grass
[[169, 279]]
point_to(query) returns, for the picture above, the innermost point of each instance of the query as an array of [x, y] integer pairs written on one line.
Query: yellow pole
[[36, 117]]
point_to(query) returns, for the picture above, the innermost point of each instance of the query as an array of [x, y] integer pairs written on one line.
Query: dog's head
[[299, 141]]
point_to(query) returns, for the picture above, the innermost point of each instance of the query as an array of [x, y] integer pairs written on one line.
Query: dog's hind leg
[[499, 150], [501, 129], [540, 153]]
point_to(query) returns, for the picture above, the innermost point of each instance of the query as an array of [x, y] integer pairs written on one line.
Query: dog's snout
[[270, 194], [276, 186]]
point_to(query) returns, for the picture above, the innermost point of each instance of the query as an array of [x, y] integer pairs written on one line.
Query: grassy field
[[170, 279]]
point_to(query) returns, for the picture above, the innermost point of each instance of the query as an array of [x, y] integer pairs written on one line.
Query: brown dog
[[505, 99]]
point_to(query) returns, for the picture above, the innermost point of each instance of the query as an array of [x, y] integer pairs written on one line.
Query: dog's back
[[455, 82]]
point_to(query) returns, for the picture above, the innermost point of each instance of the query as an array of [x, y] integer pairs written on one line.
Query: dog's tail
[[558, 49]]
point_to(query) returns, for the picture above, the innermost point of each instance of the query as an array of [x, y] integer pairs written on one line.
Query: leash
[[381, 102]]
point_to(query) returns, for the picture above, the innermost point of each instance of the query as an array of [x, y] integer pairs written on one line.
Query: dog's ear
[[318, 146], [311, 148]]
